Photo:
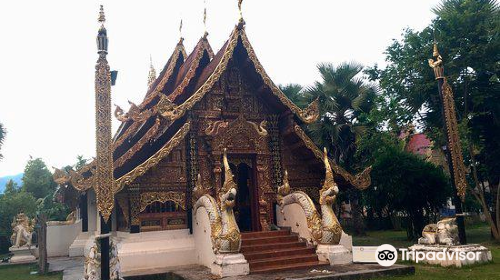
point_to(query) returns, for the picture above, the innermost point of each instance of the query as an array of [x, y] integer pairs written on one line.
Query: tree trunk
[[43, 266], [478, 194], [357, 213]]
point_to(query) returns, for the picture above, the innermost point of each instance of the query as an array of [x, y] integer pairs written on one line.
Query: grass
[[22, 272], [475, 234]]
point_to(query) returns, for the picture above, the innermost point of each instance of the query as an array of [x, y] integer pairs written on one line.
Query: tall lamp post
[[104, 182], [453, 148]]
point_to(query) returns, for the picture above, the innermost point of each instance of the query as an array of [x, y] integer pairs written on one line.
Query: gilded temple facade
[[205, 116]]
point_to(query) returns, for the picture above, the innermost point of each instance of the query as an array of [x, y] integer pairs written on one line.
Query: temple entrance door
[[244, 210]]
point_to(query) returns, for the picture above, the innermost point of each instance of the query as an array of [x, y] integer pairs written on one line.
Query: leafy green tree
[[404, 183], [80, 162], [467, 33], [11, 188], [53, 210], [2, 137], [37, 179], [11, 204]]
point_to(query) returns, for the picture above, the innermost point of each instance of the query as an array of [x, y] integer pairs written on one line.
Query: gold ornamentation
[[332, 231], [214, 127], [284, 189], [452, 133], [225, 234], [104, 147], [241, 134], [260, 128], [205, 46], [139, 144], [153, 160], [324, 229], [437, 65], [60, 177], [308, 116], [178, 198], [134, 113], [360, 181], [199, 190], [454, 145], [152, 73]]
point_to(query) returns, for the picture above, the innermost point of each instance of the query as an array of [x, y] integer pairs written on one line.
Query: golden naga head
[[168, 109], [284, 189], [120, 114], [311, 113], [60, 177], [229, 187], [199, 190], [329, 191]]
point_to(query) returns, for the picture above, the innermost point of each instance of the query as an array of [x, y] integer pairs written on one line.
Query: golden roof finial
[[239, 8], [152, 72], [180, 30], [435, 51], [205, 18], [102, 17], [241, 21]]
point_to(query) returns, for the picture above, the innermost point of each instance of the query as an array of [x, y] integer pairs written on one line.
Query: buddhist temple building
[[204, 118]]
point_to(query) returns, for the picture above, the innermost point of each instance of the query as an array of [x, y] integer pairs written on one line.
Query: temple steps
[[281, 250], [286, 252]]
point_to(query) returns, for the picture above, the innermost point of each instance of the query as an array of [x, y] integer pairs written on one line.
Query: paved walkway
[[73, 270], [72, 267]]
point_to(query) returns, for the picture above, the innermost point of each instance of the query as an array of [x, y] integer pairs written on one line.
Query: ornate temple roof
[[150, 130]]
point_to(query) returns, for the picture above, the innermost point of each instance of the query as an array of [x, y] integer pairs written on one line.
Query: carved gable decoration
[[241, 135]]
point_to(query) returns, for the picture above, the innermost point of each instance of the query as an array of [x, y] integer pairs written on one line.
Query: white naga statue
[[325, 228], [225, 234], [445, 232], [22, 231]]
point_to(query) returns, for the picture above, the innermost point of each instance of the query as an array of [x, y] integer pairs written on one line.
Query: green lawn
[[475, 234], [22, 272]]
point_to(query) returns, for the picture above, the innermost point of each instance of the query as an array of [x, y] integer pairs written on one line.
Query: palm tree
[[2, 137], [295, 93], [343, 97]]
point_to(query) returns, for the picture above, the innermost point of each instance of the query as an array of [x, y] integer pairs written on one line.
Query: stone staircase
[[281, 250]]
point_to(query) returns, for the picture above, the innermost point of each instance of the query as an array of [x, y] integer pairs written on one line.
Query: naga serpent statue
[[325, 229], [225, 234]]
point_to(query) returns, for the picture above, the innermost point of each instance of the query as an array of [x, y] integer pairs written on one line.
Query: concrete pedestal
[[452, 255], [230, 265], [22, 254], [335, 254]]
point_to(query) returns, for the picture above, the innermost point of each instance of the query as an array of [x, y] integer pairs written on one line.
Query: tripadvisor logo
[[386, 255]]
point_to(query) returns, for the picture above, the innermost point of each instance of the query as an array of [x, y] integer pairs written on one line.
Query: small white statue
[[22, 231], [445, 232]]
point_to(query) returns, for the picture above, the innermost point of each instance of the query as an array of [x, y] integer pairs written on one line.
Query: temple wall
[[146, 251], [60, 238]]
